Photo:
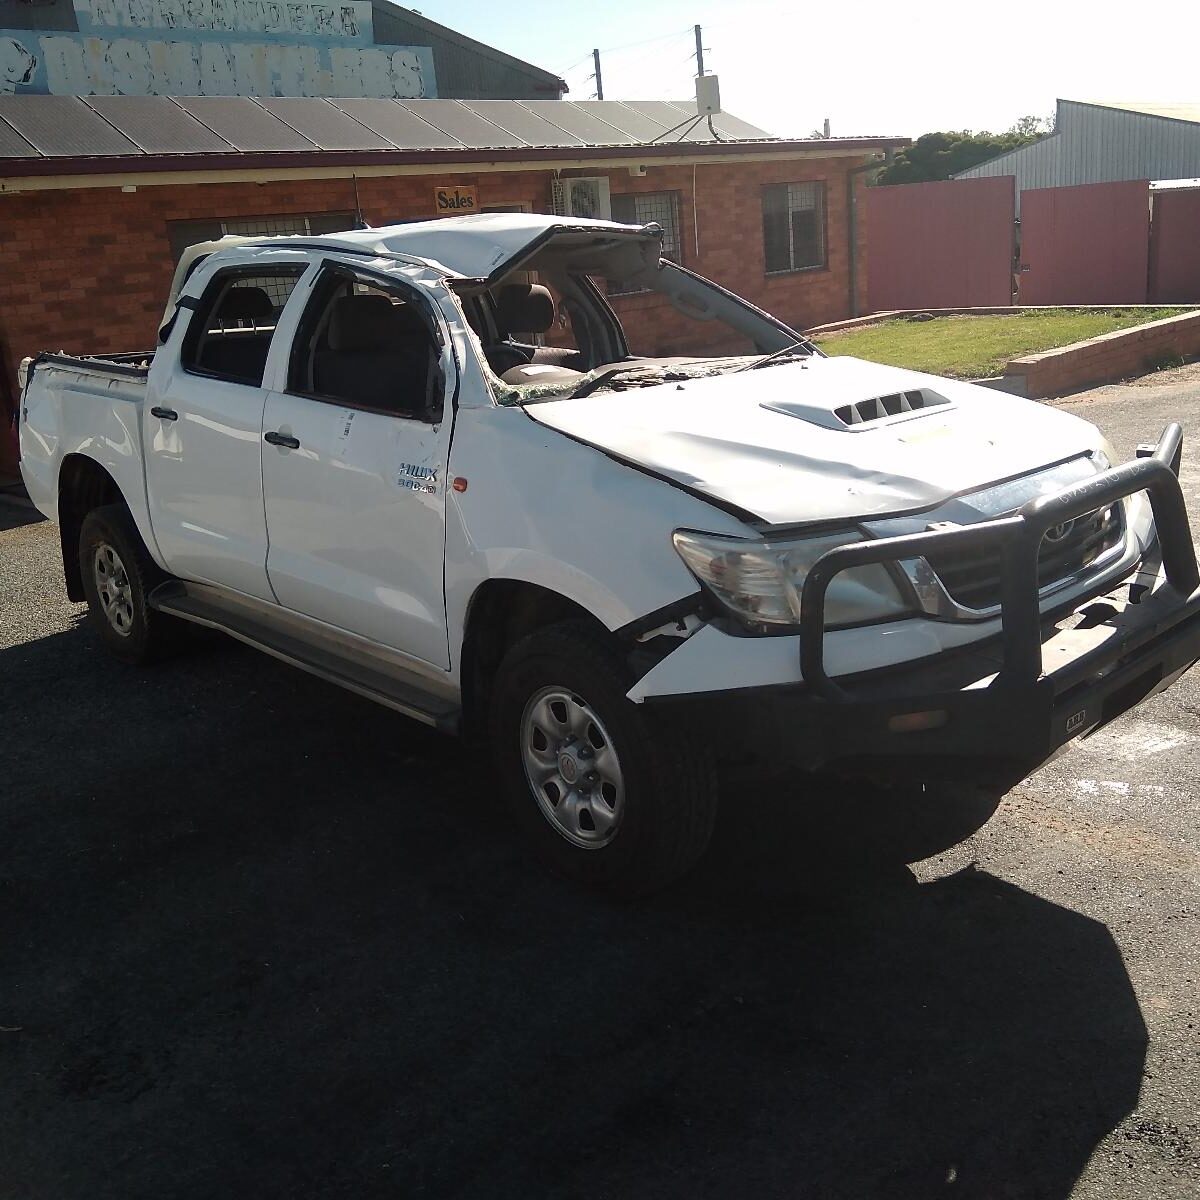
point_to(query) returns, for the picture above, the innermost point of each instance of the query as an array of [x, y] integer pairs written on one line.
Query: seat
[[238, 353], [526, 308], [378, 354]]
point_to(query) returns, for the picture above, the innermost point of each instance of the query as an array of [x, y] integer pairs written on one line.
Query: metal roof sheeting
[[70, 127], [63, 126], [157, 125], [391, 120], [1102, 143], [323, 123], [13, 145], [246, 126]]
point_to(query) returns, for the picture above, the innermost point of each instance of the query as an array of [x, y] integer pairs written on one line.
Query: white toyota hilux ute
[[426, 462]]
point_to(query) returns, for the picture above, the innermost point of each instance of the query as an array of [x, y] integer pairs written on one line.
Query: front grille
[[972, 577]]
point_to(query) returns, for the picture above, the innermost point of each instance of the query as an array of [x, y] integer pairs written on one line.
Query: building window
[[183, 234], [644, 208], [793, 226]]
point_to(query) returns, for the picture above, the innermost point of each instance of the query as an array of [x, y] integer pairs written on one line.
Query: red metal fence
[[941, 245], [1175, 248], [1085, 245]]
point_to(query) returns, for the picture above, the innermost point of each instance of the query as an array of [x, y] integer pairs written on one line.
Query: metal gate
[[1085, 244], [941, 245], [1175, 247]]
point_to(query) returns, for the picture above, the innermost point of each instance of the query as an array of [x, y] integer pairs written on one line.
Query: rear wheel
[[118, 575], [605, 793]]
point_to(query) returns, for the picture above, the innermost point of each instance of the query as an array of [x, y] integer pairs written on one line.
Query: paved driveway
[[261, 938]]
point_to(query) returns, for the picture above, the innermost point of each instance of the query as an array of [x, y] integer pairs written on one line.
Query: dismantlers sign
[[454, 201]]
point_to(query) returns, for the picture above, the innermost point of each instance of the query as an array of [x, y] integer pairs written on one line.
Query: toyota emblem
[[1057, 533]]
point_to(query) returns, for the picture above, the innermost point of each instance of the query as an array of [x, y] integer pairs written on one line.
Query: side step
[[345, 659]]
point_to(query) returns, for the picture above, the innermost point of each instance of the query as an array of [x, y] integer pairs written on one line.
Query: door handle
[[282, 439], [164, 414]]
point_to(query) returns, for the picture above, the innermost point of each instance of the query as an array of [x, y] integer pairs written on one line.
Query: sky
[[871, 67]]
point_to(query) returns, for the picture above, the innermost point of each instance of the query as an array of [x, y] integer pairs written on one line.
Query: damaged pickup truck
[[372, 455]]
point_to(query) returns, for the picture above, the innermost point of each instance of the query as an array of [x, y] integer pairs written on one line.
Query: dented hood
[[768, 441]]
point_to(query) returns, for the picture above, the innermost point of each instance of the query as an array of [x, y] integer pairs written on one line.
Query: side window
[[368, 346], [230, 334]]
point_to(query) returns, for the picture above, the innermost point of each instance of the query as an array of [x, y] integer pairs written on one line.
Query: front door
[[354, 460], [203, 429]]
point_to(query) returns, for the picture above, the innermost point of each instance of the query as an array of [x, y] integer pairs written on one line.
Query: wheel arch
[[500, 612], [83, 485]]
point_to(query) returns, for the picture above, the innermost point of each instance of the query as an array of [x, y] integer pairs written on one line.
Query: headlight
[[760, 582]]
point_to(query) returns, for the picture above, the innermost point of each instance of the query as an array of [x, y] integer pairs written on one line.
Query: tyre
[[606, 793], [118, 576]]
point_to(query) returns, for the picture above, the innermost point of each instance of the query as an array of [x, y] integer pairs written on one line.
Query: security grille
[[793, 226], [645, 208]]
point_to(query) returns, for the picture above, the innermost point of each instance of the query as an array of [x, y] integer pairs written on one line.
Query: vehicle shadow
[[263, 938]]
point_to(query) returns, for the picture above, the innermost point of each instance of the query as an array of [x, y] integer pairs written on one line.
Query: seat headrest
[[371, 323], [523, 308], [246, 304]]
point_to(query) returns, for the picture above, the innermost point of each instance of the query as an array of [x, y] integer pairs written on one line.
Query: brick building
[[88, 239]]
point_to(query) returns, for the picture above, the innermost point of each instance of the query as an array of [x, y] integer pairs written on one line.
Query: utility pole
[[599, 78], [699, 52]]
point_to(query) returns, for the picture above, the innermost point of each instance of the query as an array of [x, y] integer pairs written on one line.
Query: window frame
[[676, 198], [214, 291], [314, 307], [822, 208]]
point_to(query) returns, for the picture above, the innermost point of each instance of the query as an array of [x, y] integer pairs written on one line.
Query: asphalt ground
[[261, 938]]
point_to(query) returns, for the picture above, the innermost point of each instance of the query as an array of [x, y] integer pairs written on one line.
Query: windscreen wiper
[[803, 344]]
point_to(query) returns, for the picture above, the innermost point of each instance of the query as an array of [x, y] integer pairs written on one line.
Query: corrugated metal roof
[[628, 120], [1151, 108], [158, 125], [1101, 143], [63, 126], [227, 128], [390, 119], [246, 126], [726, 124], [519, 120], [571, 117], [455, 118], [324, 123], [13, 145]]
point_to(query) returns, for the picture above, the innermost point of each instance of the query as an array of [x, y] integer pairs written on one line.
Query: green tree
[[939, 155]]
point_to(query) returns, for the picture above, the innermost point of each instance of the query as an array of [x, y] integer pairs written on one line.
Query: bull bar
[[1018, 538]]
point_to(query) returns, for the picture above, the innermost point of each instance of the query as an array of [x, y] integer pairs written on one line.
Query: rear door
[[355, 448], [203, 425]]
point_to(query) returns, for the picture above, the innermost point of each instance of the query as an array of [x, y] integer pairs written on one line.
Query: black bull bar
[[1018, 538]]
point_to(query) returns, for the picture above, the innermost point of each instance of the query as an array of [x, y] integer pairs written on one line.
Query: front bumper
[[1012, 702]]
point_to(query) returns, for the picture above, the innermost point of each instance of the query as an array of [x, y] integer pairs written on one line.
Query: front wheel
[[606, 793]]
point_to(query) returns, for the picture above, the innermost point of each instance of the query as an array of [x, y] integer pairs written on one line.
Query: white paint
[[346, 19], [17, 64], [97, 65], [1132, 739]]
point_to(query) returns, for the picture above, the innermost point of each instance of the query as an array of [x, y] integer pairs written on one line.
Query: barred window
[[183, 234], [793, 226], [642, 208]]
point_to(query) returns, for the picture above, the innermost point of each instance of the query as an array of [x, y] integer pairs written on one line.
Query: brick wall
[[88, 270], [1108, 357]]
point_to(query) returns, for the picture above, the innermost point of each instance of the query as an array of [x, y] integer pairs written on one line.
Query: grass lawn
[[975, 347]]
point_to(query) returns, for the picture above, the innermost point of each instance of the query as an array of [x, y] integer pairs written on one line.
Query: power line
[[661, 37]]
